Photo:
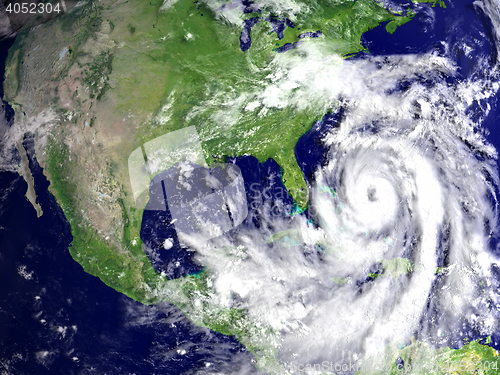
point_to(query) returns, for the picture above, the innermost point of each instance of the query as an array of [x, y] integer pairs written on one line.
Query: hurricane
[[402, 216]]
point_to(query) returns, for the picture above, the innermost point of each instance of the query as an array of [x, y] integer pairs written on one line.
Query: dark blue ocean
[[57, 319]]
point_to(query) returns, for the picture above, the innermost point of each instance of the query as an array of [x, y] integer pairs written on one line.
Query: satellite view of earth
[[249, 187]]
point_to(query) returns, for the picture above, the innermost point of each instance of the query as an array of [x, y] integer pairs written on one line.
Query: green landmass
[[343, 23], [396, 267], [341, 280], [441, 3], [420, 359]]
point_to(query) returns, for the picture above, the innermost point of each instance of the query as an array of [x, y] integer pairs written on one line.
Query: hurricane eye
[[371, 194]]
